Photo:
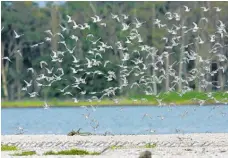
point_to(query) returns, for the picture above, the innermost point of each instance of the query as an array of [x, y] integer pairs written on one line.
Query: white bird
[[49, 71], [146, 115], [28, 84], [98, 54], [140, 40], [20, 130], [62, 90], [75, 100], [69, 19], [63, 28], [128, 41], [74, 71], [33, 94], [49, 31], [46, 106], [35, 45], [125, 16], [222, 25], [106, 62], [75, 25], [204, 18], [86, 25], [165, 39], [169, 15], [24, 88], [94, 42], [125, 26], [30, 69], [39, 84], [83, 92], [177, 16], [89, 35], [217, 9], [74, 37], [71, 51], [103, 24], [89, 63], [98, 18], [55, 54], [94, 19], [86, 115], [115, 17], [16, 35], [75, 59], [47, 39], [187, 9], [195, 27], [59, 34], [7, 58], [138, 24], [205, 9], [43, 62], [68, 93]]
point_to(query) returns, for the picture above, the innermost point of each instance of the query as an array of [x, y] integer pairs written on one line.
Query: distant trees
[[31, 20]]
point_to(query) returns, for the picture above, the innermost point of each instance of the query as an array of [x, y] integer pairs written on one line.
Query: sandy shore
[[167, 146]]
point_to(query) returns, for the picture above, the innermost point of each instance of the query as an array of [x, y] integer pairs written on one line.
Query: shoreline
[[172, 98], [161, 140], [60, 104], [166, 145]]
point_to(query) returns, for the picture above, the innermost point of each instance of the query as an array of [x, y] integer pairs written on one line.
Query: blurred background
[[33, 18]]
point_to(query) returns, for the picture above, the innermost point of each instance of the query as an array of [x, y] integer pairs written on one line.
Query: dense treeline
[[36, 45]]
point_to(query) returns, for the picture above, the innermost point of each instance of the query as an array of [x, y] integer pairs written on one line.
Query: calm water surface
[[117, 120]]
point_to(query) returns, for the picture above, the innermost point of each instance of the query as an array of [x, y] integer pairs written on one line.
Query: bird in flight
[[187, 9], [46, 106], [7, 58], [217, 9], [205, 9], [17, 35]]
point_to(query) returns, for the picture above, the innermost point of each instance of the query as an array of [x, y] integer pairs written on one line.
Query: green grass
[[72, 152], [113, 147], [167, 98], [150, 145], [25, 153], [8, 148]]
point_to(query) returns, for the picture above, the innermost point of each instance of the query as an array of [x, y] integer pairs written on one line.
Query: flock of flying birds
[[138, 67]]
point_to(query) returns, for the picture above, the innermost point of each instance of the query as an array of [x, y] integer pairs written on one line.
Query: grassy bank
[[72, 152], [25, 153], [190, 98], [8, 148]]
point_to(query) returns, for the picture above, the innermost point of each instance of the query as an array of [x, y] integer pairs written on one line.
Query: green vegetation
[[71, 152], [149, 145], [25, 153], [188, 98], [8, 148], [113, 147]]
